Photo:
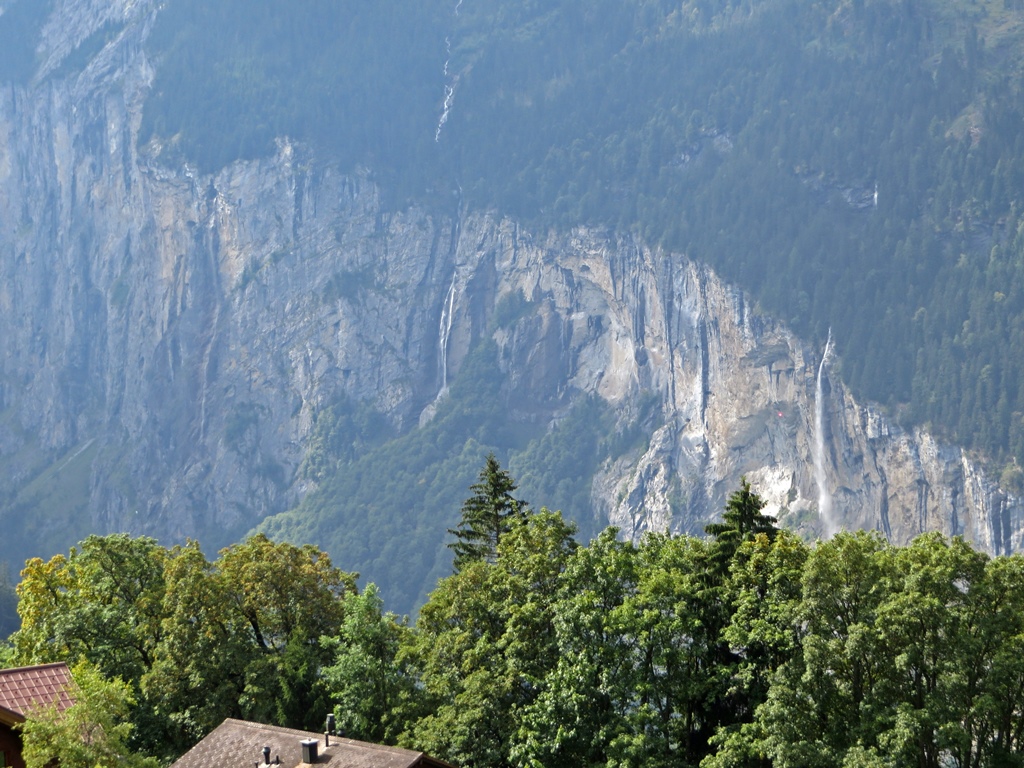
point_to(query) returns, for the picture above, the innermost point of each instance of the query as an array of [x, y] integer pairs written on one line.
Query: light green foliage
[[265, 605], [853, 652], [821, 701], [198, 674], [92, 732], [643, 675], [374, 691], [102, 603], [763, 631], [483, 644], [900, 661], [195, 641]]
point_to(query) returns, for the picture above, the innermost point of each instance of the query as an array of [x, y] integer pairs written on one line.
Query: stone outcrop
[[170, 336]]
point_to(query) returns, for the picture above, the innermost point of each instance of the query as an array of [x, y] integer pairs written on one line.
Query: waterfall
[[445, 329], [828, 521], [451, 82]]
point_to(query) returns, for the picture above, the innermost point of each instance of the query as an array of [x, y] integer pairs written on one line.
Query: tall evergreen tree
[[742, 520], [487, 515]]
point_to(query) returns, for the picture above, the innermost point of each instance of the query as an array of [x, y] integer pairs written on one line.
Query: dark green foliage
[[742, 521], [358, 80], [487, 515], [74, 63], [389, 524], [341, 432], [559, 466], [391, 528]]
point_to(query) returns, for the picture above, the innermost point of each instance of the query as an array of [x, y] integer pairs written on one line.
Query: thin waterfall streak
[[449, 85], [824, 497], [445, 329], [449, 96]]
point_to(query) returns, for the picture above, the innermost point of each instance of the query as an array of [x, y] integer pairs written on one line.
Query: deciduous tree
[[94, 731]]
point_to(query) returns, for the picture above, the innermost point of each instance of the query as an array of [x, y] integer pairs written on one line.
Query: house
[[242, 744], [22, 690]]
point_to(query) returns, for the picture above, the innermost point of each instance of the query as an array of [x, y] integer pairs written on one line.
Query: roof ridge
[[335, 739], [49, 665]]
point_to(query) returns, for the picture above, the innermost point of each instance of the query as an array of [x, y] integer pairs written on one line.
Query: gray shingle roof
[[239, 744]]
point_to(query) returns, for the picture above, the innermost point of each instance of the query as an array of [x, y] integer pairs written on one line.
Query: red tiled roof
[[23, 688], [239, 744]]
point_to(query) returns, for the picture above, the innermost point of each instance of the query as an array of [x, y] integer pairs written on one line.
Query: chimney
[[266, 755], [330, 723], [309, 750]]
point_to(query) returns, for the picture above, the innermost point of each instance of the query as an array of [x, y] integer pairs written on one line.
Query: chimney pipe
[[266, 755], [309, 750], [330, 723]]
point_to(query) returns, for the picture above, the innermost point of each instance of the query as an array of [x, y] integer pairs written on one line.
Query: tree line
[[748, 647]]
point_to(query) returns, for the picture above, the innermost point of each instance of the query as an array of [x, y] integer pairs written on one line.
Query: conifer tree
[[487, 515], [742, 520]]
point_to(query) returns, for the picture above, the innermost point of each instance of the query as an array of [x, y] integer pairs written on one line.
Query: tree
[[743, 520], [195, 641], [484, 644], [199, 671], [242, 636], [94, 731], [8, 603], [373, 690], [824, 700], [764, 595], [103, 602], [487, 515]]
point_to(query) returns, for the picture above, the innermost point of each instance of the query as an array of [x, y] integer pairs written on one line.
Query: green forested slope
[[749, 134]]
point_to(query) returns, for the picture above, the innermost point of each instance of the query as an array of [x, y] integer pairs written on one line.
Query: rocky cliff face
[[169, 337], [738, 394]]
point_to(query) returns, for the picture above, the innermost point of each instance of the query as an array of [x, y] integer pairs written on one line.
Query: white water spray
[[445, 330], [829, 526], [449, 97]]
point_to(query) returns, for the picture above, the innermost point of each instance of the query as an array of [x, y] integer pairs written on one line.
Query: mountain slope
[[751, 135]]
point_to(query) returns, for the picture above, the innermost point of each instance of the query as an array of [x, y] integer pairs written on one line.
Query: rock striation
[[170, 336]]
